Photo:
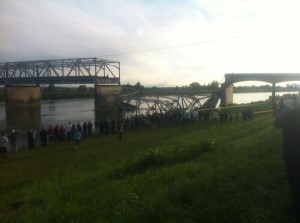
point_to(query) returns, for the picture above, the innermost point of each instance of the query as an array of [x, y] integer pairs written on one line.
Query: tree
[[195, 85], [214, 84], [82, 87], [138, 85], [51, 86]]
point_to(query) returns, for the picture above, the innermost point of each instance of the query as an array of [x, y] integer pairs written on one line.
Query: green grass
[[197, 172]]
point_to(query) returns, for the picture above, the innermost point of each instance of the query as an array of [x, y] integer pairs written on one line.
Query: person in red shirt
[[61, 133]]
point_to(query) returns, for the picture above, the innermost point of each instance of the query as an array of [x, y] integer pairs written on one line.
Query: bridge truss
[[61, 71], [183, 103]]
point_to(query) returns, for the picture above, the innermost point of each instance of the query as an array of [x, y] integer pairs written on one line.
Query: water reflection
[[107, 108], [61, 112], [23, 117]]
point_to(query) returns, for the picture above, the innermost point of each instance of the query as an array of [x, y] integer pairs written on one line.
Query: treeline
[[193, 88], [67, 93], [197, 88], [60, 93], [264, 88]]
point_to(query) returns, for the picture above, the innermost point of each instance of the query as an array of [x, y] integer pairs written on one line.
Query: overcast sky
[[158, 42]]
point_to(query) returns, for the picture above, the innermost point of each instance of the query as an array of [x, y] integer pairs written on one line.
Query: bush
[[154, 158]]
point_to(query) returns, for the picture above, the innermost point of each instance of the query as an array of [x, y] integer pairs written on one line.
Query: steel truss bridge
[[61, 71], [183, 103]]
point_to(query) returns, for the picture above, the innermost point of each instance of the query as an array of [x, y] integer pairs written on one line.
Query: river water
[[241, 98], [63, 111]]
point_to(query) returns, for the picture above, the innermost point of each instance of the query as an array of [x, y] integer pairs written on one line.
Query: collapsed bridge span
[[136, 102]]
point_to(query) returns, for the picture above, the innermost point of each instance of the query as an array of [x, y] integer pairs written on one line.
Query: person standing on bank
[[289, 122], [13, 137], [3, 145], [90, 128], [121, 130], [69, 131], [30, 138], [33, 138], [77, 138], [43, 137]]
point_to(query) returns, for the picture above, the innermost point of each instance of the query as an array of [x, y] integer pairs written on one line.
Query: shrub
[[154, 158]]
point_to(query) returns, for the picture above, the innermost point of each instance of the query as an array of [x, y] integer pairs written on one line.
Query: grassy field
[[192, 172]]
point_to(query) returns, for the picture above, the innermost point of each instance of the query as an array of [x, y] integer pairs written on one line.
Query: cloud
[[252, 36]]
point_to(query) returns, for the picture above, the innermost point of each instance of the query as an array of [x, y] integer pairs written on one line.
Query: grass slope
[[199, 172]]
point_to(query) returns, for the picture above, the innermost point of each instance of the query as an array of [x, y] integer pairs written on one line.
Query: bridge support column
[[108, 102], [23, 107], [226, 94]]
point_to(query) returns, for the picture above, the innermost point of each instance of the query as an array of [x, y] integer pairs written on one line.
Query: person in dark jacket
[[13, 138], [43, 137], [289, 122], [90, 128], [3, 145]]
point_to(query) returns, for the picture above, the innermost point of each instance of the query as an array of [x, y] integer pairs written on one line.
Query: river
[[79, 110], [62, 111], [241, 98]]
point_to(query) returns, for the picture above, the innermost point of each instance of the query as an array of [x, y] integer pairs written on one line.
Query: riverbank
[[195, 172]]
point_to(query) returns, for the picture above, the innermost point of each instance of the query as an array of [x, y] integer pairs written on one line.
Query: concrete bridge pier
[[226, 94], [108, 102], [23, 107]]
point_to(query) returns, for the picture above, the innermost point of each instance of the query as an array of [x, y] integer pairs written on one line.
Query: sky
[[158, 42]]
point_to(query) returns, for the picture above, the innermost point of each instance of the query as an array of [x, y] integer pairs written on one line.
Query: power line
[[181, 45]]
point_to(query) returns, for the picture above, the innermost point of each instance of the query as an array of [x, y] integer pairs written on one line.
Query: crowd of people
[[13, 138], [61, 133], [74, 132]]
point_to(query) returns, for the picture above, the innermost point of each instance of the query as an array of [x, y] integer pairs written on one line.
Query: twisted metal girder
[[182, 103]]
